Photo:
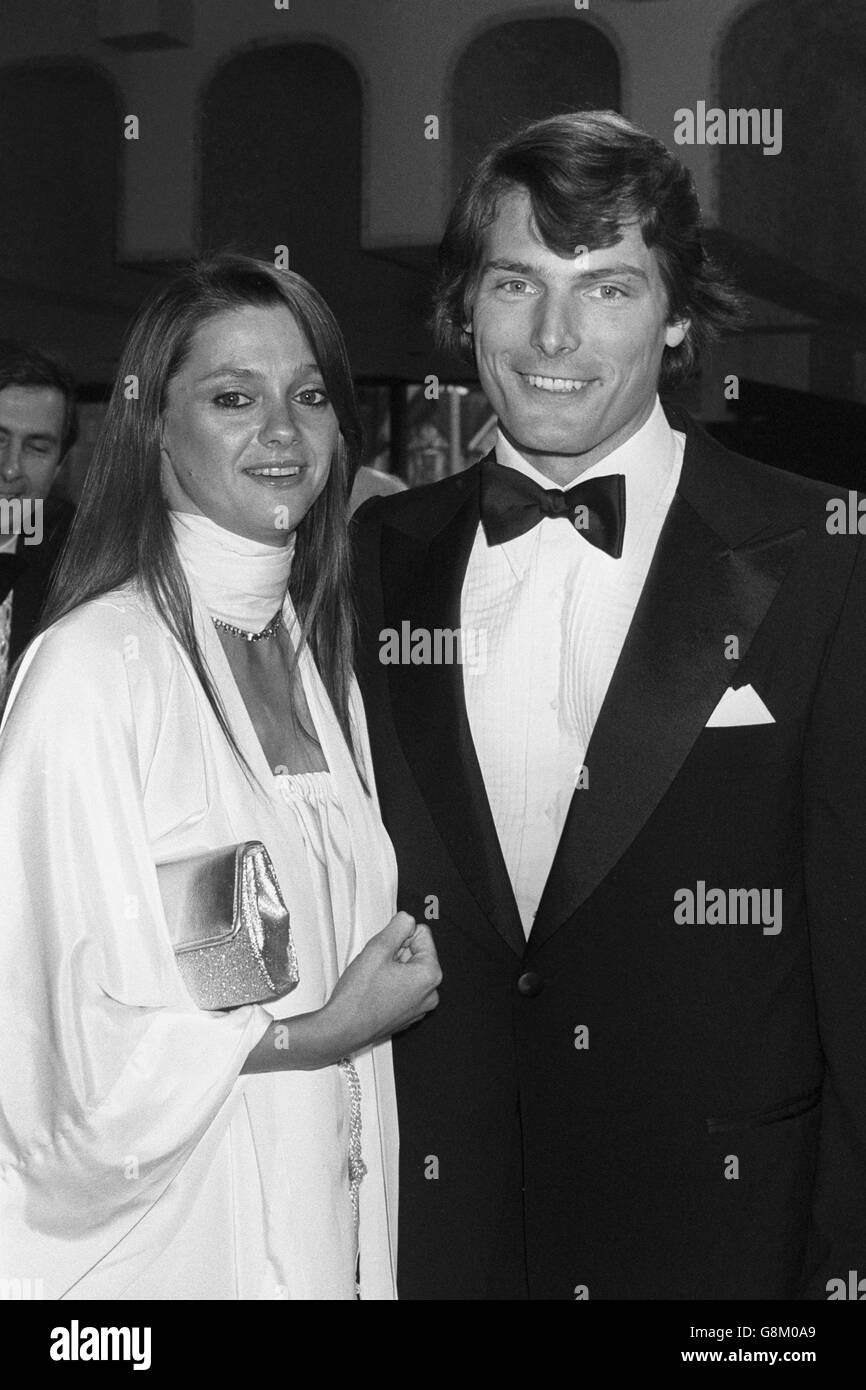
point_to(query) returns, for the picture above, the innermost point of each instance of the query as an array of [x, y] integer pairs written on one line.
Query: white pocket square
[[742, 706]]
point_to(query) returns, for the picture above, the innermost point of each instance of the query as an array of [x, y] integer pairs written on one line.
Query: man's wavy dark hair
[[588, 174]]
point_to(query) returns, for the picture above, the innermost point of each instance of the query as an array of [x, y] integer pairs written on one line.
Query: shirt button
[[530, 984], [554, 704]]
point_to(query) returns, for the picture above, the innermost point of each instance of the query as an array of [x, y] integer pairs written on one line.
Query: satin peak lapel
[[429, 709]]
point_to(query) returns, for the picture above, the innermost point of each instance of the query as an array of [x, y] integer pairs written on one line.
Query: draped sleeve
[[110, 1078]]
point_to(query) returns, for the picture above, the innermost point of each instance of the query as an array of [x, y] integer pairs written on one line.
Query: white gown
[[135, 1161]]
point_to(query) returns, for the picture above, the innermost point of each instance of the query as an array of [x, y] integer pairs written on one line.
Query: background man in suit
[[636, 819], [38, 426]]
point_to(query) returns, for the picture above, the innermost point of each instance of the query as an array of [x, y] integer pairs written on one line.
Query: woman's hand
[[391, 984]]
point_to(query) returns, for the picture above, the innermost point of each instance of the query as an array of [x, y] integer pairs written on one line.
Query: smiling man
[[615, 1100], [38, 426], [568, 350]]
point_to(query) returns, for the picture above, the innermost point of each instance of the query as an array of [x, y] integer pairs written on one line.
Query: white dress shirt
[[555, 611]]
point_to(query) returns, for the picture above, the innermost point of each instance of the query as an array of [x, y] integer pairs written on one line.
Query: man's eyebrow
[[620, 268], [231, 369]]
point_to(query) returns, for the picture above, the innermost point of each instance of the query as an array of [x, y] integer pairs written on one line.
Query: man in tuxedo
[[38, 426], [636, 817]]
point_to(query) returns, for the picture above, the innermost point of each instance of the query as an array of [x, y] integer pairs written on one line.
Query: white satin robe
[[135, 1162]]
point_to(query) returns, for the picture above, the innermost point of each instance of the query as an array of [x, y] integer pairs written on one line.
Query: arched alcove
[[60, 132], [280, 164], [281, 157], [804, 205], [527, 69]]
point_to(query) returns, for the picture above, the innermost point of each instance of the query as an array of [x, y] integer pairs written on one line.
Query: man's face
[[568, 349], [31, 434]]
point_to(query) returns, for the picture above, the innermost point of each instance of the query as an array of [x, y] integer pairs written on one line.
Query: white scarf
[[243, 582]]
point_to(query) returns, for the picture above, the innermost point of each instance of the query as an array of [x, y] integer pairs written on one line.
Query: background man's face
[[568, 350], [31, 435]]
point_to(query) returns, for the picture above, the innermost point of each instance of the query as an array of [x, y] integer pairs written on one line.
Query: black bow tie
[[511, 504]]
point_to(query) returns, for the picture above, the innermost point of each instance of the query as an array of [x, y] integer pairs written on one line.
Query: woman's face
[[248, 431]]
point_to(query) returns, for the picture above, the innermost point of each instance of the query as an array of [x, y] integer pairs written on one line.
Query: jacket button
[[530, 984]]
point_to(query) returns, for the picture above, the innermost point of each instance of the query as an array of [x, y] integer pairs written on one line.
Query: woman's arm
[[378, 994], [109, 1080]]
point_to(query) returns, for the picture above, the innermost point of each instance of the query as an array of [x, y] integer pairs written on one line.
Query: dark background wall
[[308, 128]]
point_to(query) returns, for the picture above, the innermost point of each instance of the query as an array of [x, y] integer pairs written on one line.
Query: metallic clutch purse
[[229, 926]]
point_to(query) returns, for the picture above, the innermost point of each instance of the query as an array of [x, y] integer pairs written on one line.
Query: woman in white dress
[[192, 689]]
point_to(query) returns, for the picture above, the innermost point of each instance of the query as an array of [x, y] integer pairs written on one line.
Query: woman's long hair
[[122, 532]]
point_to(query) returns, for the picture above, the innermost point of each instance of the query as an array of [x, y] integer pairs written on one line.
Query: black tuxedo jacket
[[28, 572], [706, 1136]]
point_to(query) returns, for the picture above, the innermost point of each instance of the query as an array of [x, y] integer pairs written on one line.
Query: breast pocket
[[755, 1119], [747, 746]]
